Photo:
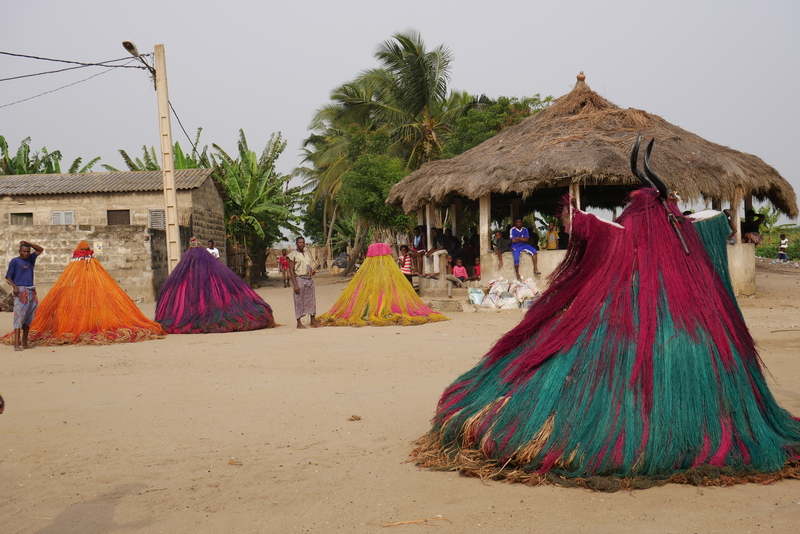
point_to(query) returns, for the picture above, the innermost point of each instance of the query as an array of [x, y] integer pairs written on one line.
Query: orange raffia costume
[[86, 306]]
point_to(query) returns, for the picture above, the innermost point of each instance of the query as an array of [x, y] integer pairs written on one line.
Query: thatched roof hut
[[584, 139]]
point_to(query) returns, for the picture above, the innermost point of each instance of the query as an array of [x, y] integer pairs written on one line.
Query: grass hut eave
[[586, 139]]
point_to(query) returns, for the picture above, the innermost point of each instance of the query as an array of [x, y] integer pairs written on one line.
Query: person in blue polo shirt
[[519, 243], [20, 277]]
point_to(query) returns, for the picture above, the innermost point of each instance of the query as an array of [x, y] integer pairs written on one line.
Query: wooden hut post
[[514, 210], [736, 215], [485, 240], [575, 192], [485, 208], [748, 203], [455, 218]]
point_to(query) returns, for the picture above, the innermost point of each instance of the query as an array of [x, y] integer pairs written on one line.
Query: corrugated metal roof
[[98, 182]]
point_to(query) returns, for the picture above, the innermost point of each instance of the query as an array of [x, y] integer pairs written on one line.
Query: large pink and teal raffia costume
[[634, 368]]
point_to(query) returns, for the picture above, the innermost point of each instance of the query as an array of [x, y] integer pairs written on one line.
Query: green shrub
[[771, 251]]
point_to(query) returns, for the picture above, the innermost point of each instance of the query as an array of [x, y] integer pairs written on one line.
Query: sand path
[[249, 432]]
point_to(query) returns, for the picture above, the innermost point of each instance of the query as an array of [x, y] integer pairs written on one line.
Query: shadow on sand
[[95, 516]]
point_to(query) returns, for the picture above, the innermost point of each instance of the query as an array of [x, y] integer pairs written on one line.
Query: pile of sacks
[[506, 295]]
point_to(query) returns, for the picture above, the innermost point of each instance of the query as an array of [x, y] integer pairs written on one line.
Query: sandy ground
[[249, 432]]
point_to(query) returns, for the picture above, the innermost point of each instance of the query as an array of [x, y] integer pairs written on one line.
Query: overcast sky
[[726, 70]]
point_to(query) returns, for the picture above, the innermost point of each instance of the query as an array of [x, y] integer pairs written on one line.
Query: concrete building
[[120, 214]]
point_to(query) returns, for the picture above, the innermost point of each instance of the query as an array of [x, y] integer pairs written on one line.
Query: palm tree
[[408, 95]]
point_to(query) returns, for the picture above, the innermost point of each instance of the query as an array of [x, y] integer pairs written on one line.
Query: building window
[[157, 220], [22, 218], [116, 217], [62, 217]]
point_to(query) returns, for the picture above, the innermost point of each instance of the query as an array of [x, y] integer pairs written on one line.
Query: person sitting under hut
[[501, 245], [751, 227], [519, 243]]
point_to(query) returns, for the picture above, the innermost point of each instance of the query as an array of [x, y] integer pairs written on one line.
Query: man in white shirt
[[211, 250]]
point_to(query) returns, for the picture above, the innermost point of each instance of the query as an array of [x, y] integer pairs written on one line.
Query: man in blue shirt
[[20, 277], [519, 243]]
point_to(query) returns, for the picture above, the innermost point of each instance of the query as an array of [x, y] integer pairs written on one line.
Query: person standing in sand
[[283, 264], [20, 277], [301, 270]]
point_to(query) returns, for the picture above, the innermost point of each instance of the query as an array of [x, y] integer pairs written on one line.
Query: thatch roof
[[583, 138]]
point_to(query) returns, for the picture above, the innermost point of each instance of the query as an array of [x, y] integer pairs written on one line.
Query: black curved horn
[[659, 183], [635, 163]]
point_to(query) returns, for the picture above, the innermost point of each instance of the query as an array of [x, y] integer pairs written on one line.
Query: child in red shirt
[[283, 264]]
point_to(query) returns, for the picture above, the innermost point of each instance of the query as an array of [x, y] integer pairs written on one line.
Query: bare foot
[[302, 326], [17, 347], [27, 346]]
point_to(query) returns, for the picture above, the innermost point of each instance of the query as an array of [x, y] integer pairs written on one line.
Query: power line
[[182, 128], [101, 64], [57, 89]]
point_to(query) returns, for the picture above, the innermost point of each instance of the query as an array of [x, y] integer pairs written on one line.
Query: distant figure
[[783, 249], [20, 277], [212, 249], [452, 243], [476, 272], [552, 236], [437, 249], [474, 239], [419, 245], [405, 262], [459, 271], [301, 270], [450, 277], [563, 238], [283, 265], [751, 227], [467, 250], [519, 243], [534, 238], [501, 245]]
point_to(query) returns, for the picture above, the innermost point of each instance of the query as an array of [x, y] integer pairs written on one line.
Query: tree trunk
[[330, 228], [248, 263], [325, 218], [361, 237]]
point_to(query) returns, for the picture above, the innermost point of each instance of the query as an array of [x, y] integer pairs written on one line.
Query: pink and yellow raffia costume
[[379, 295]]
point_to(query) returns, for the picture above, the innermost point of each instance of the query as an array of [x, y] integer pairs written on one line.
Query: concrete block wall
[[741, 264], [91, 208], [126, 253], [208, 216]]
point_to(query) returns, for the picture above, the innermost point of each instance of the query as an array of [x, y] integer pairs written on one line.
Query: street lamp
[[167, 162]]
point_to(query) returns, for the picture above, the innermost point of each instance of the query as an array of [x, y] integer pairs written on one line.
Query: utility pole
[[167, 161]]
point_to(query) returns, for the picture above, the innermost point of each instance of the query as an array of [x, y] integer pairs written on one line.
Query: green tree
[[480, 124], [260, 201], [43, 162], [363, 193]]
